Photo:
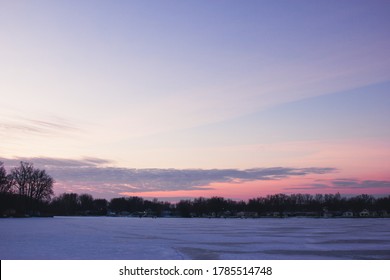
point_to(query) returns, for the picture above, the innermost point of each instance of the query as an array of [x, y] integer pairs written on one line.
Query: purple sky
[[221, 87]]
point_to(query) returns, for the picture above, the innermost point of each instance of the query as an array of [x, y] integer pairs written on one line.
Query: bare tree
[[42, 185], [32, 183], [22, 177], [5, 180]]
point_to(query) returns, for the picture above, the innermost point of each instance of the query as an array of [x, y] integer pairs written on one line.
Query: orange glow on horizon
[[253, 189]]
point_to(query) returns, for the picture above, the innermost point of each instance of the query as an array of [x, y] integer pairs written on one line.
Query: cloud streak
[[346, 184], [34, 126], [97, 174]]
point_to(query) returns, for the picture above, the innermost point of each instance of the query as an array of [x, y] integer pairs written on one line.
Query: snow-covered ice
[[175, 238]]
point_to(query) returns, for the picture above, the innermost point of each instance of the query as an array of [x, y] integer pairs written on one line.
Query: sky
[[179, 99]]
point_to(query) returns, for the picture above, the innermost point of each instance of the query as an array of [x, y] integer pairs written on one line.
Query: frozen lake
[[175, 238]]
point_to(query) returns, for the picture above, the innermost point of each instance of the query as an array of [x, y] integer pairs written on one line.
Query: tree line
[[29, 191], [282, 205], [25, 189]]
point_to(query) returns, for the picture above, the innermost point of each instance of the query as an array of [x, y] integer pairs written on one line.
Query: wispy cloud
[[57, 163], [97, 174], [345, 184], [12, 125], [357, 184]]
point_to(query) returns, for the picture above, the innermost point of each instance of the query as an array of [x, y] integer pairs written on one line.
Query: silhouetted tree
[[217, 205], [41, 186], [32, 185], [85, 202], [383, 204], [184, 208], [100, 206], [200, 206], [5, 180], [7, 199], [360, 202], [256, 205], [278, 202], [135, 204], [65, 204], [118, 205], [22, 177]]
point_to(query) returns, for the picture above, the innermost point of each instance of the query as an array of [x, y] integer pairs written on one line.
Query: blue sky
[[198, 85]]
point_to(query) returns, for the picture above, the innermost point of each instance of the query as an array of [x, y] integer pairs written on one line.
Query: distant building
[[9, 212], [383, 213], [326, 213], [364, 213], [245, 214], [348, 214]]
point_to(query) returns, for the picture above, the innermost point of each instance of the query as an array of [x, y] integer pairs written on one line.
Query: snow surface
[[114, 238]]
